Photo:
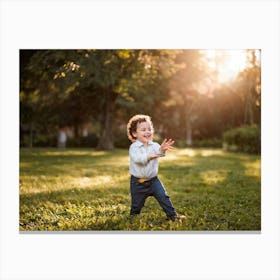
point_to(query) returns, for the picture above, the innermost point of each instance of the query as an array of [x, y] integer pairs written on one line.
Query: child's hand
[[151, 157], [166, 145]]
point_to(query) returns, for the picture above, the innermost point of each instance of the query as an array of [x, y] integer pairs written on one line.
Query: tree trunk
[[76, 130], [106, 141], [249, 105], [189, 132], [31, 134], [249, 115], [188, 109]]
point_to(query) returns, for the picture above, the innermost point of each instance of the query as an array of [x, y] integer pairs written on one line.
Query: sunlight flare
[[226, 63], [94, 181], [211, 177], [253, 169]]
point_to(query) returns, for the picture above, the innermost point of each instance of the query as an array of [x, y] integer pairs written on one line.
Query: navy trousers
[[140, 192]]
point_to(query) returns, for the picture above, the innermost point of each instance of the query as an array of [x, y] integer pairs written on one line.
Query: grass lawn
[[84, 189]]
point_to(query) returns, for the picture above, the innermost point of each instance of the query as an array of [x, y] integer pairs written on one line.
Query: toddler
[[144, 154]]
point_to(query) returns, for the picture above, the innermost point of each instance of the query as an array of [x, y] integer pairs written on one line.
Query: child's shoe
[[177, 218]]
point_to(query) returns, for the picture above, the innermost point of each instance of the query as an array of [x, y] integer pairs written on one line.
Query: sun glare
[[226, 63]]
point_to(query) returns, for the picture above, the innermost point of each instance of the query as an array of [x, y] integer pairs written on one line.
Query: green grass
[[83, 189]]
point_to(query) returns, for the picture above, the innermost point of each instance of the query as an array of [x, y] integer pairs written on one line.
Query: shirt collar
[[139, 144]]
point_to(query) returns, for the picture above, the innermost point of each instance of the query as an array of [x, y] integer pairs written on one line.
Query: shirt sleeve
[[138, 156], [157, 148]]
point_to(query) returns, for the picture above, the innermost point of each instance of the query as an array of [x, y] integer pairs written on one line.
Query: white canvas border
[[153, 24]]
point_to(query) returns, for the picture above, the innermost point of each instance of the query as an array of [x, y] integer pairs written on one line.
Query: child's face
[[143, 132]]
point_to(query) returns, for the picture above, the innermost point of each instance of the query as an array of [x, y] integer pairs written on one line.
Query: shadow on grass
[[59, 162]]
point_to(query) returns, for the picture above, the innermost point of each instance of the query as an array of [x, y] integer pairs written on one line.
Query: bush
[[82, 142], [208, 143], [42, 140], [180, 143], [243, 139], [121, 141], [24, 141]]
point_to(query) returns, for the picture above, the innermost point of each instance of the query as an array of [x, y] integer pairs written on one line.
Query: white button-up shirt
[[139, 165]]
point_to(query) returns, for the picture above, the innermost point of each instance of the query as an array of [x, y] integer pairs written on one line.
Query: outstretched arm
[[166, 145]]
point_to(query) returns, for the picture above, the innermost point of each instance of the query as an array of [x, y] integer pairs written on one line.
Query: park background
[[74, 107], [84, 98], [84, 256]]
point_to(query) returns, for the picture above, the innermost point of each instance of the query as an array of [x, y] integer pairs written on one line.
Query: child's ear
[[134, 134]]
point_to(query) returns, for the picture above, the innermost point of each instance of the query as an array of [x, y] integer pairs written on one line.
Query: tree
[[101, 78], [184, 93], [249, 86], [234, 103], [39, 92]]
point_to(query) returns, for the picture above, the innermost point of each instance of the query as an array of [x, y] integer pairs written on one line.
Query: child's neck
[[144, 143]]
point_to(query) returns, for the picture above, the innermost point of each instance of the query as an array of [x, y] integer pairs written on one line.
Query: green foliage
[[69, 88], [208, 143], [89, 141], [72, 87], [181, 143], [83, 189], [243, 139], [43, 140], [121, 140]]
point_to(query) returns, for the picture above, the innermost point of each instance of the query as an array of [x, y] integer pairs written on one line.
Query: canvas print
[[125, 140]]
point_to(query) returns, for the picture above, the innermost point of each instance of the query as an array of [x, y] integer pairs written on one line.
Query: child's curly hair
[[133, 122]]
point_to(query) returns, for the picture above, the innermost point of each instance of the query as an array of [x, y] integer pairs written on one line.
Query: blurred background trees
[[193, 96]]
